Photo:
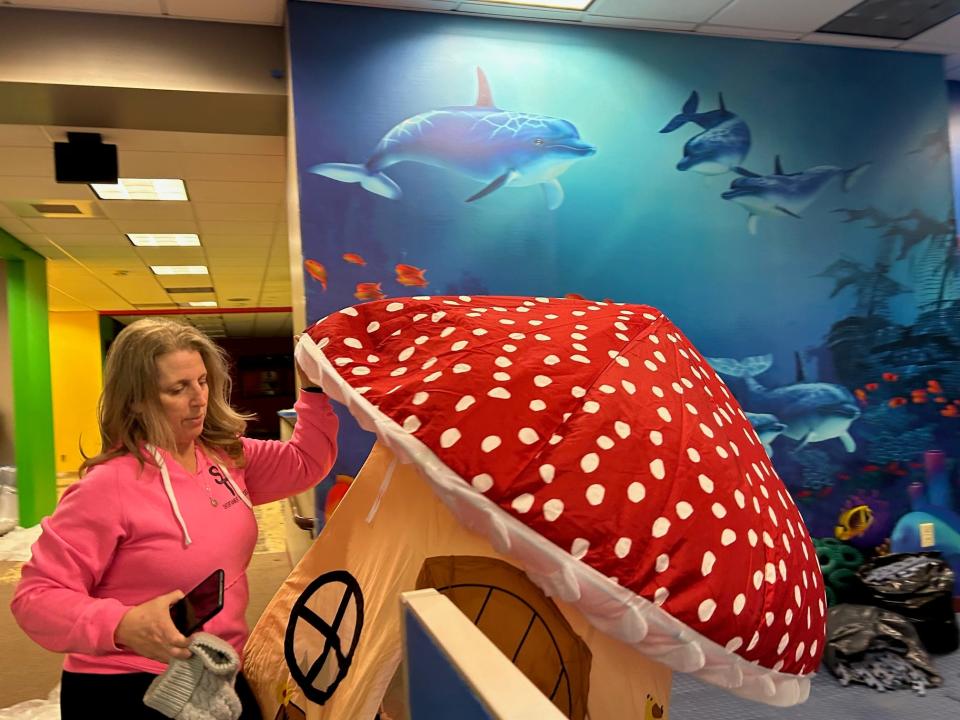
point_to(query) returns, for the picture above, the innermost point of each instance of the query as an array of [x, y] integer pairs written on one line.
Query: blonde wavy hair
[[129, 410]]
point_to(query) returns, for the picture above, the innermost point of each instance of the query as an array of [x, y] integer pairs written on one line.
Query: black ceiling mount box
[[84, 158]]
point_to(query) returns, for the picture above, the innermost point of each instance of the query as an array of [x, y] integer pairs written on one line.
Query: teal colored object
[[839, 563]]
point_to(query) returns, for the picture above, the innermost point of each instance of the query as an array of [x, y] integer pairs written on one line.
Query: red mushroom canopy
[[593, 444]]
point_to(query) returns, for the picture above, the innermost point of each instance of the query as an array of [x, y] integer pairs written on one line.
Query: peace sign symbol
[[321, 639]]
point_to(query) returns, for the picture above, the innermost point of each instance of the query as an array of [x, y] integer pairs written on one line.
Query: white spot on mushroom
[[706, 484], [459, 345], [662, 563], [684, 509], [501, 377], [605, 442], [499, 393], [397, 372], [352, 312], [554, 439], [659, 356], [447, 331], [577, 391], [411, 424], [656, 437], [757, 579], [656, 391], [767, 540], [650, 365], [393, 307], [661, 526], [782, 567], [541, 381], [595, 494], [706, 609], [449, 438], [628, 386], [479, 332], [432, 376], [589, 462], [693, 454], [622, 548], [420, 398], [465, 402], [752, 537], [352, 343], [657, 469], [503, 362], [373, 359], [739, 602], [770, 573], [551, 360], [768, 618], [622, 361], [591, 406], [538, 405], [741, 500], [490, 443], [734, 644], [438, 315], [722, 452], [636, 492], [796, 595], [461, 368], [522, 503], [361, 370], [706, 566], [664, 414], [579, 548], [661, 595], [547, 472], [783, 643], [728, 537], [813, 649], [754, 641], [719, 510], [541, 337], [405, 354], [552, 509], [528, 436], [788, 617]]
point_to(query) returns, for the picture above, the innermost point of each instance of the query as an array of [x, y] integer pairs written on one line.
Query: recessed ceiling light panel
[[179, 269], [202, 303], [142, 189], [164, 239], [892, 19]]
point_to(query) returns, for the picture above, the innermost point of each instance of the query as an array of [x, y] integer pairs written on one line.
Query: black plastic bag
[[918, 586], [857, 635]]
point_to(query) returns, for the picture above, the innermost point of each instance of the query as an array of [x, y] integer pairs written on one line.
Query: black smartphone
[[190, 612]]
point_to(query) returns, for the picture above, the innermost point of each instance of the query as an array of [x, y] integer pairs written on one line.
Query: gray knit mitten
[[201, 687]]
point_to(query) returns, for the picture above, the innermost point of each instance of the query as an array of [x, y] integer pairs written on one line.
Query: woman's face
[[182, 379]]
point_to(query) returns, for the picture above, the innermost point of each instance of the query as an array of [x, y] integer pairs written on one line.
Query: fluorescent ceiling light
[[202, 303], [552, 4], [179, 269], [164, 239], [142, 189]]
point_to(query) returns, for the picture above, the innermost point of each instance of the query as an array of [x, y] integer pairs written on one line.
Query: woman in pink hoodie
[[167, 502]]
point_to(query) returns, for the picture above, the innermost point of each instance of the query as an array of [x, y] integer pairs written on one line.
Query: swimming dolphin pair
[[785, 194], [500, 148], [809, 412]]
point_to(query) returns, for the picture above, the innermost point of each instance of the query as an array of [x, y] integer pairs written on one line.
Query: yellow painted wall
[[77, 375]]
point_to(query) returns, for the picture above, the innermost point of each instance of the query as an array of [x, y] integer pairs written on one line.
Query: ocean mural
[[789, 206]]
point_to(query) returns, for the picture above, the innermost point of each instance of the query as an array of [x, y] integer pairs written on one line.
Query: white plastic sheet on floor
[[15, 545], [47, 709]]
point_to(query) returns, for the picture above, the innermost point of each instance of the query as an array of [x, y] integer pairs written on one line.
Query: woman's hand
[[148, 630]]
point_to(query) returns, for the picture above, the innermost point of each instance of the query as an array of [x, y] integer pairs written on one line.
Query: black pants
[[120, 697]]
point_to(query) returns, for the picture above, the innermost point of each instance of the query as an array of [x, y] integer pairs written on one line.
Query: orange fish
[[411, 276], [897, 402], [369, 291], [861, 395], [919, 396], [950, 411], [317, 271], [354, 259], [940, 399], [933, 387], [871, 386], [574, 296], [890, 377]]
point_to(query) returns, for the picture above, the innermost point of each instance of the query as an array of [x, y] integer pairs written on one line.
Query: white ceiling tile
[[122, 7], [23, 136], [232, 144], [137, 225], [695, 11], [945, 34], [250, 168], [105, 253], [533, 13], [638, 23], [227, 227], [15, 226], [38, 188], [849, 40], [240, 212], [27, 161], [172, 255], [709, 29], [801, 16], [70, 240], [212, 191], [262, 12], [143, 164], [63, 226], [144, 210]]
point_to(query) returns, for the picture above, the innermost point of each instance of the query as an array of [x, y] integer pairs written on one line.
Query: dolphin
[[785, 194], [768, 428], [723, 144], [810, 412], [500, 148]]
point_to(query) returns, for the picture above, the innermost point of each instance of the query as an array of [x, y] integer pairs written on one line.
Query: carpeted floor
[[692, 700]]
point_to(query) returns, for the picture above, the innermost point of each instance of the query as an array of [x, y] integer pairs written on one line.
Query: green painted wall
[[30, 375]]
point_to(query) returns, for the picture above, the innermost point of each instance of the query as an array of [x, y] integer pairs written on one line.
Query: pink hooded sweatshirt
[[116, 541]]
